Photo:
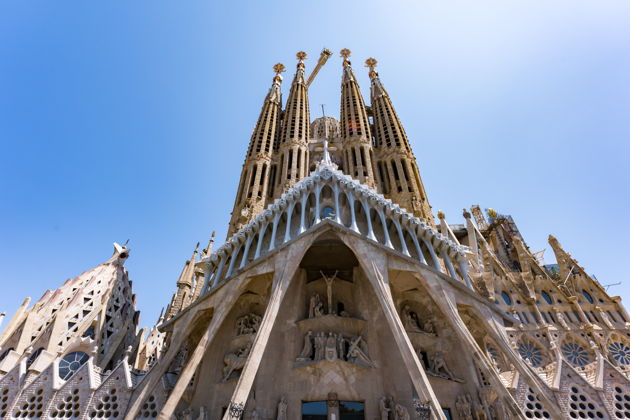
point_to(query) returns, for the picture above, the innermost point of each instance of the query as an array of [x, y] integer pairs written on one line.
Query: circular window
[[546, 296], [575, 354], [70, 363], [530, 353], [620, 352], [588, 296], [506, 298]]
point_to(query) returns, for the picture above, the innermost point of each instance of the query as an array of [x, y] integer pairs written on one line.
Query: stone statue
[[282, 409], [480, 412], [438, 367], [185, 414], [464, 409], [255, 415], [248, 324], [356, 354], [329, 281], [410, 319], [331, 347], [235, 361], [307, 349], [401, 413], [203, 413], [562, 320], [320, 343], [383, 407], [341, 345], [255, 320], [315, 307], [428, 327]]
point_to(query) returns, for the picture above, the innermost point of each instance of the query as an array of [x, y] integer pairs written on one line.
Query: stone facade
[[336, 295]]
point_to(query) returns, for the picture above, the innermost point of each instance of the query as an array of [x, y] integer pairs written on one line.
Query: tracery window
[[530, 353], [619, 352], [575, 354], [546, 296], [506, 298], [71, 363]]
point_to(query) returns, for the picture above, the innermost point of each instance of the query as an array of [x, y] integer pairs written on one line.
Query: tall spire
[[292, 156], [253, 189], [397, 167], [184, 285], [355, 127]]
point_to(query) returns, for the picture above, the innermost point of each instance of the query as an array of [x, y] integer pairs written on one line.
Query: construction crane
[[323, 57]]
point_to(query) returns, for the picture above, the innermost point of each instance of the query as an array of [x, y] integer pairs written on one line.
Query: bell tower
[[355, 127], [397, 167], [292, 151], [254, 183]]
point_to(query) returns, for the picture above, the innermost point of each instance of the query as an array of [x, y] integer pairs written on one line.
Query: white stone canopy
[[328, 193]]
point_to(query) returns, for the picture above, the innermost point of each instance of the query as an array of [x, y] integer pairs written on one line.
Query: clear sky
[[130, 120]]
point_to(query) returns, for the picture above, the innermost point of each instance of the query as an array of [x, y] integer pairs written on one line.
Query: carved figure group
[[438, 367], [315, 307], [401, 413], [412, 323], [463, 404], [248, 324], [334, 346], [235, 361]]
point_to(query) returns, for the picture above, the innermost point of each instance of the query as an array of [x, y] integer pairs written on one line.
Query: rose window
[[575, 354], [70, 363], [530, 353], [620, 352]]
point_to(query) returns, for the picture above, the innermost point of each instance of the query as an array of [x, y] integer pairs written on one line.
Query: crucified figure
[[329, 281]]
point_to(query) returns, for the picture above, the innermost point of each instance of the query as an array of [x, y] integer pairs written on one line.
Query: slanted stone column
[[286, 265], [374, 263]]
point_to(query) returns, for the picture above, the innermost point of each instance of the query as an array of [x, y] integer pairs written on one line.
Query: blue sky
[[131, 120]]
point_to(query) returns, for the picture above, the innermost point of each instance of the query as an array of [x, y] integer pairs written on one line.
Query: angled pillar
[[375, 267], [286, 265]]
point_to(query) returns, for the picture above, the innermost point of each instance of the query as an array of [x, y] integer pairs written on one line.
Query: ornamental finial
[[278, 68], [345, 53], [301, 56], [371, 64], [441, 215]]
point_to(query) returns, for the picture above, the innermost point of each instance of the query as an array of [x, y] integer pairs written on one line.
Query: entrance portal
[[324, 410]]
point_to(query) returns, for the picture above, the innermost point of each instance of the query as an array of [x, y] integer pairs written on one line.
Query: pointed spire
[[397, 167], [355, 127], [208, 251], [292, 156], [253, 187]]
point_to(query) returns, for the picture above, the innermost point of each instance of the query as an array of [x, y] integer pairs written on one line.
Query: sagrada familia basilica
[[336, 295]]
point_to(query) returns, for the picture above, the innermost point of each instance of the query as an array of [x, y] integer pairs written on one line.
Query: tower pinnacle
[[397, 168], [254, 186], [292, 154], [355, 127]]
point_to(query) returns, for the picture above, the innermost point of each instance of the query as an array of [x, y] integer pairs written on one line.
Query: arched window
[[506, 298], [546, 296], [588, 296], [71, 363], [33, 356], [328, 213]]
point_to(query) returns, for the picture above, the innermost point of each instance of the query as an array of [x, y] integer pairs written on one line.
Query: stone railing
[[328, 194]]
